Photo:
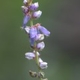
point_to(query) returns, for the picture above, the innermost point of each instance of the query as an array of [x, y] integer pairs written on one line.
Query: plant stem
[[31, 22]]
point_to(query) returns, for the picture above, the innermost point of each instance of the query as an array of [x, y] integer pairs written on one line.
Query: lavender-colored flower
[[43, 65], [34, 6], [29, 55], [24, 9], [32, 35], [41, 45], [33, 32], [25, 1], [37, 14], [32, 41], [25, 20], [44, 31]]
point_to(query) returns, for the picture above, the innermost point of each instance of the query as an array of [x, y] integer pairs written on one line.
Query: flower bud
[[27, 29], [33, 74], [40, 45], [29, 55], [40, 60], [37, 14], [24, 9], [43, 65], [34, 6], [44, 30], [25, 1]]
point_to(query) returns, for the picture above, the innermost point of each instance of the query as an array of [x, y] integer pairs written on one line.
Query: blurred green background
[[62, 51]]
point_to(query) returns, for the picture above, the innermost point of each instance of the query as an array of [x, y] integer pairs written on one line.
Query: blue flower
[[37, 14], [32, 41], [34, 6], [25, 20], [44, 31], [41, 45], [33, 32], [32, 35]]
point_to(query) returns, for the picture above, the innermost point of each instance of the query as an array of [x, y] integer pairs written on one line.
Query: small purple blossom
[[32, 41], [32, 35], [41, 45], [34, 6], [24, 9], [36, 33], [29, 55], [33, 32], [37, 14], [25, 1], [43, 65], [44, 31], [25, 20]]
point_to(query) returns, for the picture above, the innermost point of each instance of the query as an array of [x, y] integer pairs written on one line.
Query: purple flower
[[32, 35], [32, 41], [37, 14], [25, 20], [44, 31], [34, 6], [33, 32], [42, 64], [24, 9], [29, 55], [25, 1], [41, 45]]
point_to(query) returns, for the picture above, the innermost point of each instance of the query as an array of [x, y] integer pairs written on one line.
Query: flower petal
[[32, 41], [34, 6], [25, 1], [37, 14], [41, 45], [27, 29], [44, 30], [33, 32], [43, 65], [25, 20], [40, 60], [29, 55]]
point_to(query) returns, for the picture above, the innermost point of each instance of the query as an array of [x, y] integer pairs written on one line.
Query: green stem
[[31, 22], [37, 61]]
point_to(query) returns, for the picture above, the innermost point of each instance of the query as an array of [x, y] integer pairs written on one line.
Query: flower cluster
[[35, 32]]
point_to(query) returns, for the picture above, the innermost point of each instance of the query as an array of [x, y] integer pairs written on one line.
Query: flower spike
[[36, 34]]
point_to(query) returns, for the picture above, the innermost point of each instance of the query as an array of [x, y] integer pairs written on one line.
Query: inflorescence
[[36, 34]]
